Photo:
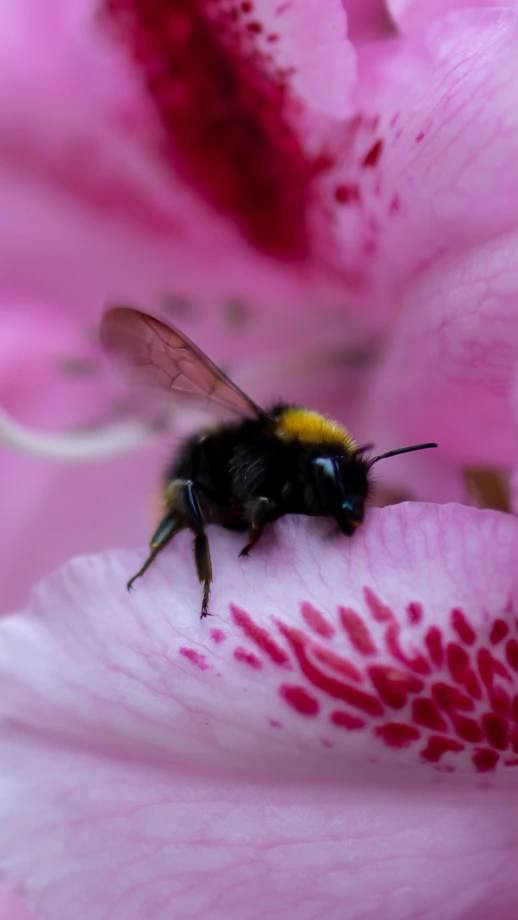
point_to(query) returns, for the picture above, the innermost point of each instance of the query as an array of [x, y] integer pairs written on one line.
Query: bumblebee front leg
[[261, 513]]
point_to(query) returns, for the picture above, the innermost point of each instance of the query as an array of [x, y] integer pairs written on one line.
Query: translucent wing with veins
[[161, 356]]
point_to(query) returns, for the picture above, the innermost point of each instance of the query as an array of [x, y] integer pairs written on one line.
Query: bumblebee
[[247, 473]]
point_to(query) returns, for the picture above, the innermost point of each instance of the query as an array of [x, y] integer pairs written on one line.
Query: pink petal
[[80, 126], [232, 106], [451, 368], [368, 20], [430, 164], [311, 45], [52, 379], [12, 907], [161, 759], [92, 212], [414, 14]]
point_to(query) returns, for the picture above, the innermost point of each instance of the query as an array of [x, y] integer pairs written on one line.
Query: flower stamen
[[75, 446]]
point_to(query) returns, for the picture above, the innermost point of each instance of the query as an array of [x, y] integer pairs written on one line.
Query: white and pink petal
[[426, 169], [451, 368], [339, 685]]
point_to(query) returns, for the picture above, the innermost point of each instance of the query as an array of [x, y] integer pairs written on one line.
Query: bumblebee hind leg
[[185, 512], [169, 526], [196, 524]]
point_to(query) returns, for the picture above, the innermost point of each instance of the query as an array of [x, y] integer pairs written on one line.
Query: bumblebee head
[[339, 486]]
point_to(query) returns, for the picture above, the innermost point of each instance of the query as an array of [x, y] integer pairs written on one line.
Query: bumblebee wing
[[161, 356]]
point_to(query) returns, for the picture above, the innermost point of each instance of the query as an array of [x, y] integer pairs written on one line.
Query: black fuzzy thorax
[[234, 464]]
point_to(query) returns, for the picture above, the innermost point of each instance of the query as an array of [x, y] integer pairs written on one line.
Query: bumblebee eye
[[327, 479]]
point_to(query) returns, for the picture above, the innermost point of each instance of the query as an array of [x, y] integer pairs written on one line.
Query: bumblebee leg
[[261, 513], [170, 525], [195, 522]]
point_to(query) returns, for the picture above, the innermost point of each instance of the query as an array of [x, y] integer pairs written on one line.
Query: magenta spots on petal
[[497, 731], [299, 699], [485, 760], [337, 689], [358, 633], [372, 156], [485, 666], [380, 612], [345, 720], [415, 612], [433, 641], [420, 137], [426, 713], [500, 701], [196, 658], [499, 631], [395, 205], [460, 669], [417, 663], [217, 636], [393, 685], [450, 698], [241, 654], [317, 621], [337, 663], [398, 735], [511, 653], [461, 626], [490, 667], [437, 747], [275, 723], [347, 193], [260, 636], [467, 729]]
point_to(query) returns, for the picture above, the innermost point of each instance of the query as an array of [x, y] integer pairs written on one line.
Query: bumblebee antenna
[[401, 450]]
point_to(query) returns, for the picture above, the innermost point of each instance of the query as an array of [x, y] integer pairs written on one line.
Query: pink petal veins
[[452, 363], [135, 735], [433, 141], [367, 657]]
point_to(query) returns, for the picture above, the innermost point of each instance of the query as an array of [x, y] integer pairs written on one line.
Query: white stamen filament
[[75, 446]]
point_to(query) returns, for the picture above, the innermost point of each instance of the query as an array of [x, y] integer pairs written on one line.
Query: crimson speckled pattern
[[226, 110], [455, 692]]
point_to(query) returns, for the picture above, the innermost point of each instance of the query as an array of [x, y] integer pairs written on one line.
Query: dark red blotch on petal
[[260, 636], [398, 735], [438, 746], [227, 113], [299, 699], [195, 658]]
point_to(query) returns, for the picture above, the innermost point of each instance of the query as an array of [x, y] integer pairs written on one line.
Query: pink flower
[[344, 186], [352, 731]]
